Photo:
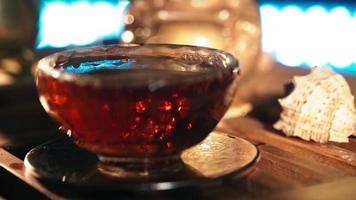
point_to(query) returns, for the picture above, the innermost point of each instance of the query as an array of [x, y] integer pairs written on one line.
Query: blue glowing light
[[64, 22], [90, 66], [313, 35]]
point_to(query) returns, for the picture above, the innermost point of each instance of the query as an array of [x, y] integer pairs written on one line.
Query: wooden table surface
[[289, 163], [289, 168]]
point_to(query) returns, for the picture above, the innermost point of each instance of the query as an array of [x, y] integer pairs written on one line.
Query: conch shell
[[320, 108]]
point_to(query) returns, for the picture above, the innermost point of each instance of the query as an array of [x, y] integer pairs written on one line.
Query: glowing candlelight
[[206, 35]]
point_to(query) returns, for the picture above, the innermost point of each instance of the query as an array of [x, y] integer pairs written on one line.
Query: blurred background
[[294, 33]]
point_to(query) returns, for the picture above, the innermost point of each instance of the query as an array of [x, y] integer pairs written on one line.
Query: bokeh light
[[64, 23], [299, 35]]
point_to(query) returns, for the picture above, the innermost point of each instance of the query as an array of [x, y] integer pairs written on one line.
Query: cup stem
[[130, 167]]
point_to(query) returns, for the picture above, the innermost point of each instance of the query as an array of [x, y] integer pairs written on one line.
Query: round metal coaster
[[217, 158]]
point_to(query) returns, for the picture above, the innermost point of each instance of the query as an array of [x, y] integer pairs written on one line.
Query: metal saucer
[[219, 157]]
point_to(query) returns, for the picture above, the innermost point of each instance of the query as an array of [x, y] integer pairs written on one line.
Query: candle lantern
[[231, 25]]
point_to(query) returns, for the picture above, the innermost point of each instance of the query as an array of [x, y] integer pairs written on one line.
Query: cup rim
[[193, 55]]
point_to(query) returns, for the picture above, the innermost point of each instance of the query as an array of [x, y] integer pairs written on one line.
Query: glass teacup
[[137, 106]]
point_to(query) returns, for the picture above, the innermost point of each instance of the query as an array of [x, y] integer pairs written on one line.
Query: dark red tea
[[136, 106]]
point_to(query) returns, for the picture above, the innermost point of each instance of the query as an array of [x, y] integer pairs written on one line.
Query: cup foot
[[128, 167]]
